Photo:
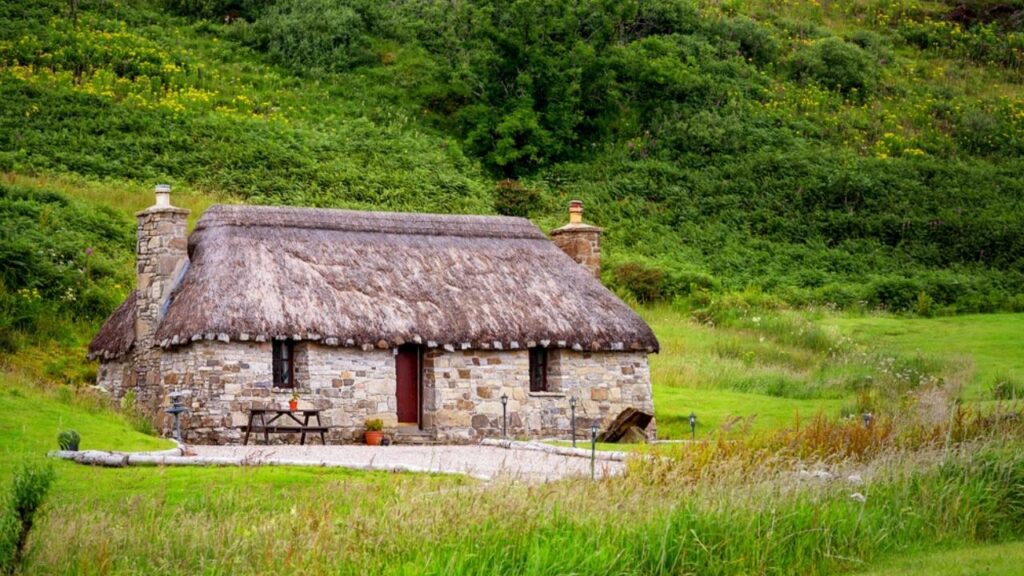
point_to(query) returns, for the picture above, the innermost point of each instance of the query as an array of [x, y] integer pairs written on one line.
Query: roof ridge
[[405, 223]]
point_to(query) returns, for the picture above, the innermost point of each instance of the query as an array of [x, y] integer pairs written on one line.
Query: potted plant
[[293, 404], [374, 431]]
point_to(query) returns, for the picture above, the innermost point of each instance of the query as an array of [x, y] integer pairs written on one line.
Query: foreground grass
[[995, 560], [713, 508]]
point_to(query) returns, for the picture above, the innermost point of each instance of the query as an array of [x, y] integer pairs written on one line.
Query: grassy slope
[[699, 369], [993, 344]]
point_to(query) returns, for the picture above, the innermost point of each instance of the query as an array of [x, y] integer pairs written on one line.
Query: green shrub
[[31, 483], [511, 198], [837, 65], [754, 41], [899, 294], [643, 282], [69, 440], [324, 35], [226, 11]]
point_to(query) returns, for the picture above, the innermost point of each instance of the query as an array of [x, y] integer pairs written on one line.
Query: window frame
[[281, 361], [539, 359]]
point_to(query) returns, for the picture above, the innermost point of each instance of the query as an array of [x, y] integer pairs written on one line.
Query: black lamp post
[[593, 448], [504, 415], [572, 408], [176, 409], [693, 426]]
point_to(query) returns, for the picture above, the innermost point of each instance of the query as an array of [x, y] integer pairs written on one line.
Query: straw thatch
[[374, 279], [117, 335]]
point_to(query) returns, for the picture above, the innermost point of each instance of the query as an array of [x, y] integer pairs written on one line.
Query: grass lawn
[[31, 419], [995, 560], [717, 374], [724, 410], [993, 343]]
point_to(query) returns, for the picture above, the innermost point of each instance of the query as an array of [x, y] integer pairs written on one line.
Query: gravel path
[[484, 462]]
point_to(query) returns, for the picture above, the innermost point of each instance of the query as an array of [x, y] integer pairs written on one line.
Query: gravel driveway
[[484, 462]]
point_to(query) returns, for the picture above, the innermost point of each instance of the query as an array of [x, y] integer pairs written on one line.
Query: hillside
[[859, 153]]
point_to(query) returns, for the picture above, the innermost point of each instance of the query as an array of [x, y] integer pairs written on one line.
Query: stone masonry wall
[[461, 390], [582, 243], [227, 379], [161, 259]]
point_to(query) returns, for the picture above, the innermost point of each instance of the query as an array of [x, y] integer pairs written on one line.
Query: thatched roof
[[118, 333], [376, 279]]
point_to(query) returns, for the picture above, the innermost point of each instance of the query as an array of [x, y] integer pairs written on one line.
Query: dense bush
[[837, 65], [314, 35], [60, 258], [720, 148], [511, 198]]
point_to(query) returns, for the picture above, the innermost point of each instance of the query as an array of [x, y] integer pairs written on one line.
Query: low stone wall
[[461, 390]]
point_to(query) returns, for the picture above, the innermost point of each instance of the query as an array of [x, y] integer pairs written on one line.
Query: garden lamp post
[[504, 415], [868, 417], [572, 409], [593, 448], [693, 426], [176, 409]]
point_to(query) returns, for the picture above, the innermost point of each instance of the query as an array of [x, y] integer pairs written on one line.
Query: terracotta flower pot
[[293, 405], [374, 438]]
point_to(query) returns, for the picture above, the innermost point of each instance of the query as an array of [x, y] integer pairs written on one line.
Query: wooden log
[[626, 419]]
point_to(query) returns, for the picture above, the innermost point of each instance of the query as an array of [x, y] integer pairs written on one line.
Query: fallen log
[[627, 419]]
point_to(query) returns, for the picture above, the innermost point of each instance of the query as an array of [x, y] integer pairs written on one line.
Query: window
[[284, 364], [538, 370]]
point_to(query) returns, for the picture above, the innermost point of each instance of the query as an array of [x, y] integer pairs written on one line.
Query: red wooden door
[[407, 368]]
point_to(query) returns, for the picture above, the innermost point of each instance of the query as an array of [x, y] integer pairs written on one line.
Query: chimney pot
[[575, 212], [163, 194]]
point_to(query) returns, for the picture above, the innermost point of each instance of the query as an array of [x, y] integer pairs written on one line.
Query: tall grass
[[714, 523]]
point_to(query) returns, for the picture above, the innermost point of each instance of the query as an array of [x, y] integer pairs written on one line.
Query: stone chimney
[[161, 259], [582, 242]]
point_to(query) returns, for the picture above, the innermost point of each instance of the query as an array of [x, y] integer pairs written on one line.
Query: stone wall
[[225, 380], [461, 390]]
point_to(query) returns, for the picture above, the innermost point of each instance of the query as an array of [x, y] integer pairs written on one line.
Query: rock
[[857, 496]]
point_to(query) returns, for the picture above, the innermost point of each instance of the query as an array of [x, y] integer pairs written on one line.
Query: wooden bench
[[259, 423]]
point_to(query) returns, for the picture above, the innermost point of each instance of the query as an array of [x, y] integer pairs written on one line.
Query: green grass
[[30, 421], [994, 560], [746, 378], [759, 371], [731, 412], [993, 344]]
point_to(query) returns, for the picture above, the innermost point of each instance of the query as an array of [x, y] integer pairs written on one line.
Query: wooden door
[[407, 368]]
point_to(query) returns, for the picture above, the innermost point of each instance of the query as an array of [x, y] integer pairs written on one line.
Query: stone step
[[412, 435]]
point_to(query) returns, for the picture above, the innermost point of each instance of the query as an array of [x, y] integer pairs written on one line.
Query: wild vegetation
[[770, 175], [852, 153]]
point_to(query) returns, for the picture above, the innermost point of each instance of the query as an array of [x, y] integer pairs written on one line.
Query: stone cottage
[[424, 321]]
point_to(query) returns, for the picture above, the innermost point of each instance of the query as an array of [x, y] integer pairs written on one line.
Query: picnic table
[[291, 423]]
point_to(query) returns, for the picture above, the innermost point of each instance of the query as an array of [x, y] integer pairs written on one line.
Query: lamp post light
[[504, 415], [572, 408], [176, 409], [593, 448], [693, 426]]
